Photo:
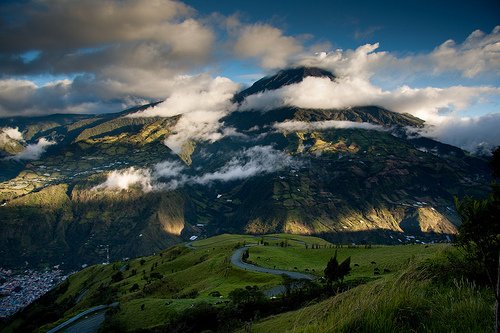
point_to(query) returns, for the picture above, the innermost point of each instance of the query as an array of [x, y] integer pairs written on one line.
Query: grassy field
[[152, 290], [364, 261], [409, 301], [187, 276]]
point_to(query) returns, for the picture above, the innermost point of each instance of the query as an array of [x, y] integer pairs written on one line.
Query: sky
[[438, 60]]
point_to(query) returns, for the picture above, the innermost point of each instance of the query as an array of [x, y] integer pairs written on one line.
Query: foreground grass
[[409, 301], [403, 296]]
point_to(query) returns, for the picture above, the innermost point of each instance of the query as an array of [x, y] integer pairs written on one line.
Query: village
[[18, 290]]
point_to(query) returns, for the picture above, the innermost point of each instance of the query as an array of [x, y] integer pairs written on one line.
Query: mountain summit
[[282, 78]]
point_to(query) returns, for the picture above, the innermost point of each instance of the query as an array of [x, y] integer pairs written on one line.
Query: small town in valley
[[19, 289]]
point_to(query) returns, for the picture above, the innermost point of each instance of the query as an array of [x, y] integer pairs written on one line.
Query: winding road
[[238, 262], [88, 321]]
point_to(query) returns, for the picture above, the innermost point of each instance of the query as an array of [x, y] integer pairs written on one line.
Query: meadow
[[398, 291]]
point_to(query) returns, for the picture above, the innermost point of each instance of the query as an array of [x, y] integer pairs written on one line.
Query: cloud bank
[[169, 175], [13, 133], [477, 135], [322, 93], [478, 55], [127, 178], [33, 151], [115, 53], [202, 102], [294, 125]]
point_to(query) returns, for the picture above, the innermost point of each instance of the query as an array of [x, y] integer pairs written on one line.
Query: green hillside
[[409, 301], [394, 288]]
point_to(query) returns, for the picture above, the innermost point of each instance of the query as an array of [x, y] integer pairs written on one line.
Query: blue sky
[[401, 26]]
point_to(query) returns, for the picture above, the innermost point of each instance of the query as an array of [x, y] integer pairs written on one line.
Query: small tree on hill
[[335, 271], [245, 256], [332, 268], [344, 268]]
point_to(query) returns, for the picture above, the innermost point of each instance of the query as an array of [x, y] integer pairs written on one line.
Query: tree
[[117, 277], [344, 268], [287, 283], [335, 271], [245, 256], [332, 268], [479, 232]]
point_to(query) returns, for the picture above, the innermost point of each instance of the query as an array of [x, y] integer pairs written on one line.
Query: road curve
[[93, 314], [238, 262]]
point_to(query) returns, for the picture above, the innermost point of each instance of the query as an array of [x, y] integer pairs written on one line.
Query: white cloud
[[478, 55], [168, 169], [145, 178], [294, 125], [359, 63], [479, 134], [12, 133], [250, 162], [322, 93], [169, 175], [33, 151], [268, 44], [127, 178], [202, 102]]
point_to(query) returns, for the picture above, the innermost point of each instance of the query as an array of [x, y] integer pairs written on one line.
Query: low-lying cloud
[[33, 151], [127, 178], [12, 132], [294, 125], [169, 175], [322, 93], [202, 102], [441, 108], [477, 135], [250, 162]]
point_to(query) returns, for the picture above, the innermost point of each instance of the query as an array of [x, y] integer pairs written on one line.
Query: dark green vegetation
[[346, 185], [479, 234], [190, 289], [335, 271]]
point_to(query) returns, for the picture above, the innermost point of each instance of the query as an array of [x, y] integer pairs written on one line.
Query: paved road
[[87, 321], [89, 324], [236, 261], [275, 291]]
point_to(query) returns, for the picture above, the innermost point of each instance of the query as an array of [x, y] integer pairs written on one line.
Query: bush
[[117, 277]]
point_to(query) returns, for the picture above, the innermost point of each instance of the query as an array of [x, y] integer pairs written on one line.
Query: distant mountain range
[[348, 175]]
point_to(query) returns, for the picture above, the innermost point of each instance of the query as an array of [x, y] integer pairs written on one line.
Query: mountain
[[282, 78], [284, 170]]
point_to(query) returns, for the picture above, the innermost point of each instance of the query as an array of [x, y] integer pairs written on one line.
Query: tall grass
[[413, 301]]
